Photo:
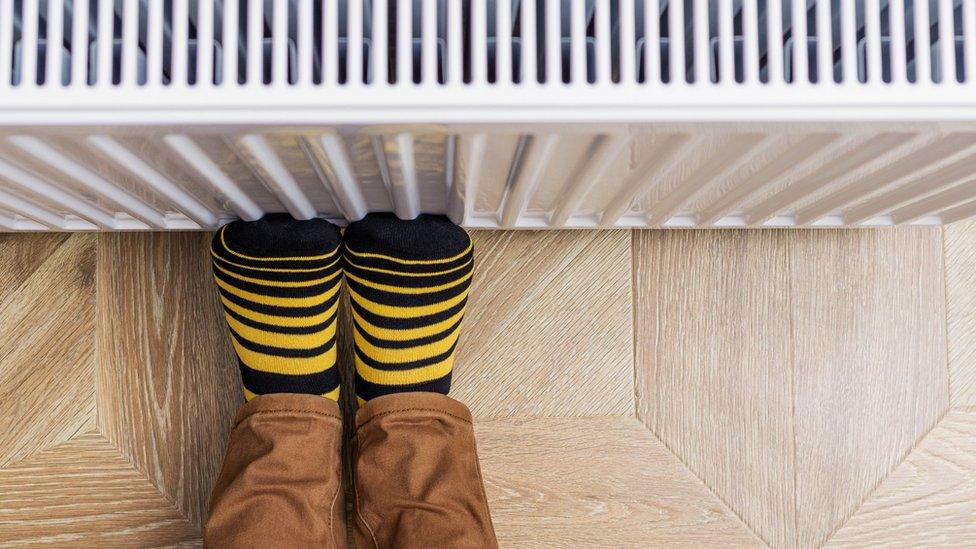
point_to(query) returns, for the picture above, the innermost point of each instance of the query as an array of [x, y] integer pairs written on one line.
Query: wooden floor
[[631, 389]]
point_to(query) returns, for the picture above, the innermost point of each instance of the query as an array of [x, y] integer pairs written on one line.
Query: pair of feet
[[279, 280]]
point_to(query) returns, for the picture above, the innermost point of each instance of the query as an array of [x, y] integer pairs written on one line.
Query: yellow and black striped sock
[[279, 282], [408, 285]]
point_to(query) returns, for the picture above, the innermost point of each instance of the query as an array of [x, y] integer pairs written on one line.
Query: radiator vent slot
[[450, 42]]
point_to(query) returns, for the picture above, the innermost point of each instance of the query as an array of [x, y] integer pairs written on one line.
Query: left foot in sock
[[408, 285], [279, 282]]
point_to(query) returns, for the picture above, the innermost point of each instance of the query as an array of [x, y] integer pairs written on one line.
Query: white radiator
[[182, 114]]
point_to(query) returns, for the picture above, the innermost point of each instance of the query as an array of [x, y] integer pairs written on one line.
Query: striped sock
[[279, 282], [408, 285]]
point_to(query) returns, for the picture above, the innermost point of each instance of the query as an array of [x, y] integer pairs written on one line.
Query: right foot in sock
[[279, 282], [408, 285]]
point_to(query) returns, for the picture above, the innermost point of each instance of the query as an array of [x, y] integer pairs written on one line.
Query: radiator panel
[[146, 114]]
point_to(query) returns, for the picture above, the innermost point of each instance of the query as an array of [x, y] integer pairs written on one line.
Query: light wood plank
[[548, 327], [869, 362], [596, 482], [960, 274], [168, 382], [84, 494], [46, 342], [21, 254], [713, 364], [548, 333], [929, 500]]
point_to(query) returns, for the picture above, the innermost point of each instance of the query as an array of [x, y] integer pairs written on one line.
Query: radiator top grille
[[178, 44]]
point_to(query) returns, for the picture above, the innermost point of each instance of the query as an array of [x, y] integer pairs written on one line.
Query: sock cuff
[[278, 237], [426, 240]]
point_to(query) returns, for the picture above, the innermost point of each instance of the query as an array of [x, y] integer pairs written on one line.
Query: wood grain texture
[[788, 371], [929, 500], [548, 329], [960, 276], [168, 382], [21, 254], [84, 494], [713, 364], [596, 482], [46, 342], [869, 361]]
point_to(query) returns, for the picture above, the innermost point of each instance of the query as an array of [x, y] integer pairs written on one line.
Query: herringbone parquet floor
[[631, 389]]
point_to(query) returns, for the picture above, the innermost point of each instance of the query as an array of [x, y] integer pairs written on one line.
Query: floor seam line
[[97, 376], [718, 496], [33, 272], [175, 505], [793, 390], [945, 316], [881, 481], [633, 322]]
